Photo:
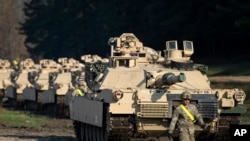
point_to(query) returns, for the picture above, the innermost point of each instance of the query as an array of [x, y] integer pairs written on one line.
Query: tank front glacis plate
[[152, 103]]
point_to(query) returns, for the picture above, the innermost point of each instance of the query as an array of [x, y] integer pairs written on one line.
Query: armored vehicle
[[5, 76], [41, 81], [54, 99], [20, 81], [133, 97]]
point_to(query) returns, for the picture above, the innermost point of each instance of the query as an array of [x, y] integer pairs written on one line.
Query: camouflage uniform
[[185, 125]]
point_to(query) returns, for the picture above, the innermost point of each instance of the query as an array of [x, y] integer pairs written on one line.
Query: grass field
[[229, 69], [19, 119]]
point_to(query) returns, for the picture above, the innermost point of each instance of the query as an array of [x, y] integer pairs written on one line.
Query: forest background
[[71, 28]]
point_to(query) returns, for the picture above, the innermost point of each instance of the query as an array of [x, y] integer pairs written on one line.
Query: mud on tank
[[134, 95]]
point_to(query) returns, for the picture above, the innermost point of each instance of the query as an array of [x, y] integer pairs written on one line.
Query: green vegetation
[[236, 69], [20, 119], [72, 28]]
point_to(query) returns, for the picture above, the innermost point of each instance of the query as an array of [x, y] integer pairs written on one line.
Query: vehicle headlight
[[239, 96], [117, 95]]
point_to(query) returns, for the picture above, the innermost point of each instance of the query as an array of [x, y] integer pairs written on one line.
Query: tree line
[[71, 28]]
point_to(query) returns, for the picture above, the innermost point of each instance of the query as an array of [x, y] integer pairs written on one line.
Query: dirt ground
[[58, 130]]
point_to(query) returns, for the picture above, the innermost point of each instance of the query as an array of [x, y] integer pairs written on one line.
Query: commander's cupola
[[128, 51], [125, 50]]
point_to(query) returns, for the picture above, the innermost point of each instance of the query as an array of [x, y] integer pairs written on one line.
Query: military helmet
[[186, 95]]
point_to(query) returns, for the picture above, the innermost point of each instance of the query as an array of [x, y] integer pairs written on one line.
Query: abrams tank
[[133, 96], [20, 81], [55, 98], [6, 71], [41, 81]]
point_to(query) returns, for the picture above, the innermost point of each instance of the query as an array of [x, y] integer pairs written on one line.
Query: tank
[[134, 94], [54, 99], [6, 72], [41, 80], [19, 81]]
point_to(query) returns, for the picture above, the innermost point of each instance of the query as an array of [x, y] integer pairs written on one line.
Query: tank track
[[87, 132], [223, 127], [33, 105], [2, 94], [57, 109], [16, 103], [62, 109], [120, 128], [117, 128], [39, 103]]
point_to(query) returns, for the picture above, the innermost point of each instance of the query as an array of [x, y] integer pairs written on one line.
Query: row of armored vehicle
[[42, 88]]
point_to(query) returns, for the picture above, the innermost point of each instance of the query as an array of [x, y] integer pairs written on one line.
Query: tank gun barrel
[[165, 79], [170, 78]]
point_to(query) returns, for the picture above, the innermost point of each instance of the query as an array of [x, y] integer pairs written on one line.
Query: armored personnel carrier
[[54, 99], [41, 81], [20, 81], [133, 97]]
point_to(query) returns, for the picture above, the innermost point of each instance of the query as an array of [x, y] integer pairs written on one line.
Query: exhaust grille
[[153, 110], [208, 109]]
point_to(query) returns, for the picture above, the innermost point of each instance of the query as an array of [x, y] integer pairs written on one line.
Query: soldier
[[185, 115]]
